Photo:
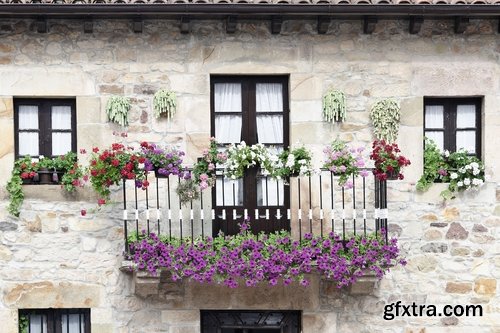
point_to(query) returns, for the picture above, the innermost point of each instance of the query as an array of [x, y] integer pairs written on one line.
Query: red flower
[[145, 184], [115, 162], [142, 159], [101, 202], [25, 175], [95, 149], [83, 151], [83, 212]]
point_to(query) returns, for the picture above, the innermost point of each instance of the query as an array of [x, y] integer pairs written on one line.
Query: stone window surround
[[44, 126], [54, 317]]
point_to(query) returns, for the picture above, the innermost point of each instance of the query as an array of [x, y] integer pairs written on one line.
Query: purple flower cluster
[[165, 161], [267, 258]]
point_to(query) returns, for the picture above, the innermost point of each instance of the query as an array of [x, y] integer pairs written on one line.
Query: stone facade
[[53, 257]]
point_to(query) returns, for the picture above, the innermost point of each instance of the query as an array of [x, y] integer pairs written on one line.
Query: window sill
[[487, 193], [54, 192]]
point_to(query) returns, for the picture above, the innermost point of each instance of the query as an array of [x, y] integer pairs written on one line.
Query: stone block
[[424, 264], [485, 286], [306, 111], [458, 287], [180, 317], [456, 231], [88, 111], [306, 87], [55, 82], [46, 294], [412, 112], [5, 253], [145, 285], [102, 328], [314, 322]]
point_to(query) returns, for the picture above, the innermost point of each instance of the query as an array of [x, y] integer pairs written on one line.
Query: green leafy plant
[[462, 171], [45, 163], [23, 324], [24, 168], [117, 110], [72, 172], [164, 103], [188, 190], [334, 106], [435, 167], [385, 116], [242, 156], [293, 162], [344, 162]]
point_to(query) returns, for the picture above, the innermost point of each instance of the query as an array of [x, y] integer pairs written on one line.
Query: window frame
[[45, 123], [54, 317], [450, 120], [249, 135]]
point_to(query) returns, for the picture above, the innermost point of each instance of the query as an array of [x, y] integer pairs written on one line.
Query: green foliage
[[72, 171], [23, 324], [45, 163], [385, 116], [188, 190], [433, 162], [460, 170], [117, 110], [334, 106], [164, 102], [24, 168]]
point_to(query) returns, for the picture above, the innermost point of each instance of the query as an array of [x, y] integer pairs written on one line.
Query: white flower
[[468, 167], [141, 166], [466, 181], [474, 165], [477, 182], [475, 172], [460, 184], [446, 153], [453, 175], [462, 170]]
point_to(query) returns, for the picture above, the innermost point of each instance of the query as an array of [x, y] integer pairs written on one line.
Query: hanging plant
[[385, 115], [117, 110], [334, 106], [164, 102]]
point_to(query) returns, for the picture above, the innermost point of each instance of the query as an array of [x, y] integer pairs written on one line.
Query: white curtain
[[28, 119], [434, 118], [38, 323], [227, 98], [269, 98], [61, 120], [73, 322], [466, 118]]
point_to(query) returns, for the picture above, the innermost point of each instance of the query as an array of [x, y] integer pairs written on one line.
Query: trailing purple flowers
[[273, 258]]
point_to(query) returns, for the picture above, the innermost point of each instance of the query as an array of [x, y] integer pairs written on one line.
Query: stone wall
[[53, 257]]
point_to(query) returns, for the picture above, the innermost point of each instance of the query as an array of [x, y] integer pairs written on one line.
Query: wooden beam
[[185, 25], [137, 26], [41, 25], [231, 24], [88, 26], [323, 24], [415, 24], [461, 24], [276, 23], [369, 24]]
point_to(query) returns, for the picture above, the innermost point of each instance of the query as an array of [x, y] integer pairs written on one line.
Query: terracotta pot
[[45, 176]]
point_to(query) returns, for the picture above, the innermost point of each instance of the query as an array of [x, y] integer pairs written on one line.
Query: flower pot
[[159, 175], [45, 176], [27, 181], [392, 175]]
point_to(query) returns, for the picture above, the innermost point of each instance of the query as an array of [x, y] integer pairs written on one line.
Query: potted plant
[[67, 171], [117, 110], [24, 171], [385, 116], [388, 160], [459, 169], [164, 103], [163, 161], [242, 156], [45, 169], [334, 106], [112, 165], [292, 163], [343, 161]]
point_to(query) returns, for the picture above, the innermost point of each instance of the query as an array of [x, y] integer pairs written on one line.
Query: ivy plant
[[164, 103], [117, 110], [334, 106], [385, 115]]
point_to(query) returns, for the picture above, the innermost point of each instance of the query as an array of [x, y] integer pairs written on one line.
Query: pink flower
[[364, 173], [211, 166], [83, 151], [203, 177], [101, 202]]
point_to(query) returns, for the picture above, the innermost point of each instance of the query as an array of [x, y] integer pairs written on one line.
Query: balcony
[[313, 204]]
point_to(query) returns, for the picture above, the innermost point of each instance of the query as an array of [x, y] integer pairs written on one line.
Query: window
[[44, 126], [54, 321], [454, 123], [230, 321], [253, 109]]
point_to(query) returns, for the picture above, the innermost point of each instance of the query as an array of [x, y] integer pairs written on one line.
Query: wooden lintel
[[185, 25], [323, 24], [276, 23], [415, 24], [231, 24], [369, 24], [461, 24]]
